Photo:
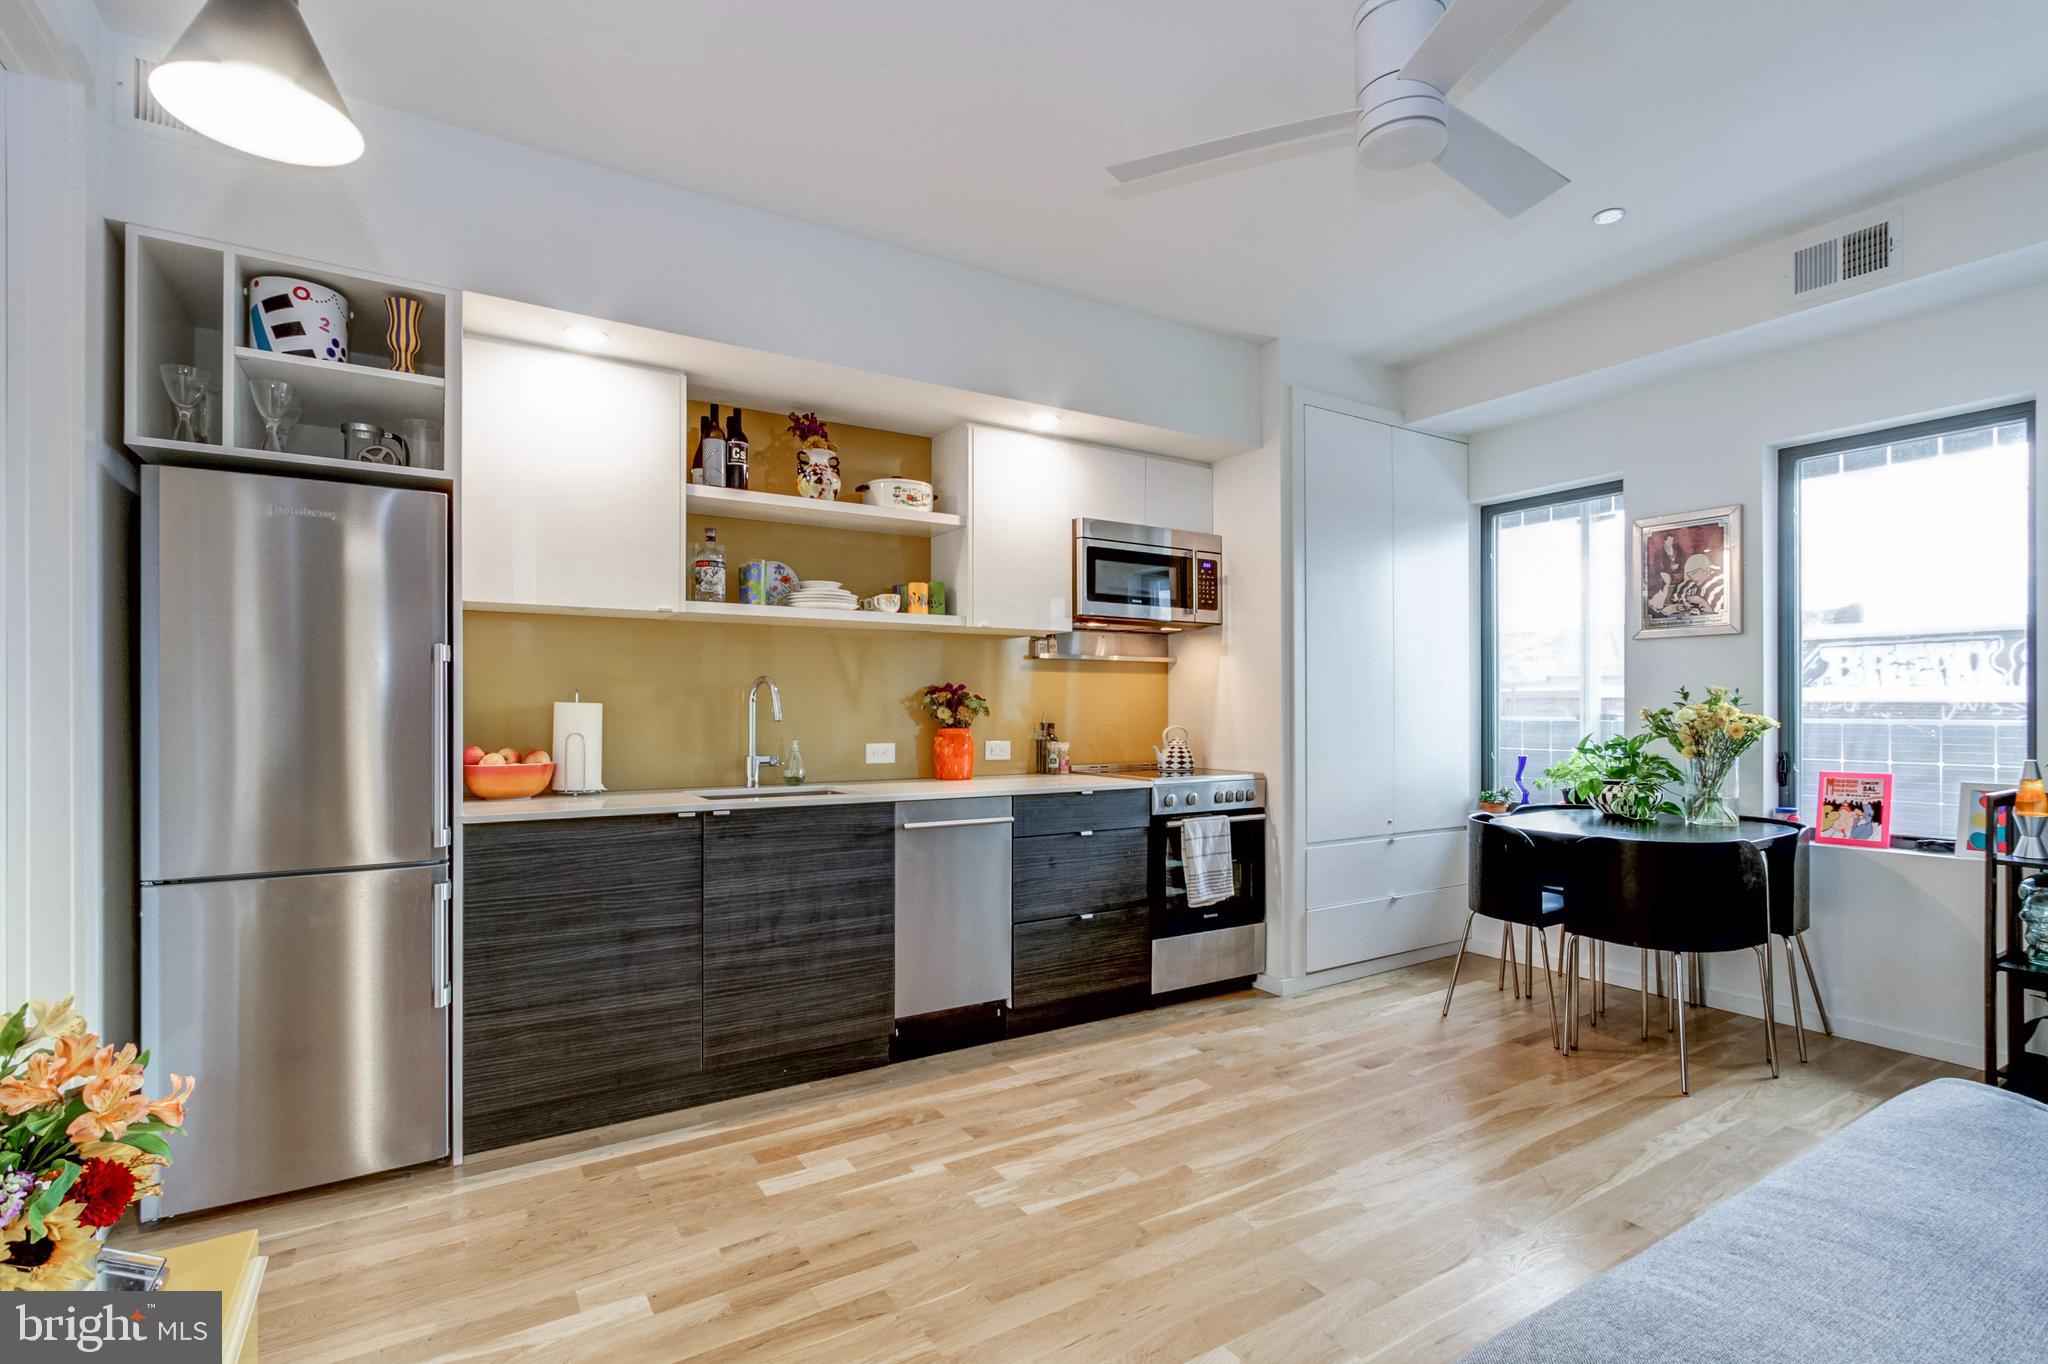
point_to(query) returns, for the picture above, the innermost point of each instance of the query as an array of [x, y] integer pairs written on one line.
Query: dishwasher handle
[[959, 823]]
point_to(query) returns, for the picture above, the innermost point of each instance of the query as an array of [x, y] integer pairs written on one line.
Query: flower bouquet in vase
[[1710, 734], [78, 1143], [955, 708]]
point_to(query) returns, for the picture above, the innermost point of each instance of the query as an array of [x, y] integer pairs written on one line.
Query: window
[[1553, 610], [1907, 611]]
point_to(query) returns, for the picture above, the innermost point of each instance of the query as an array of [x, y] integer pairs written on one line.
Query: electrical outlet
[[998, 750], [881, 753]]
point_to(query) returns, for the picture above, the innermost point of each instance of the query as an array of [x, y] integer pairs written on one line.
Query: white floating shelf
[[154, 451], [745, 505], [330, 388], [784, 616]]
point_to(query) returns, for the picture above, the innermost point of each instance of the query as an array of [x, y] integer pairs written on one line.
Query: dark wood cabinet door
[[582, 962], [1079, 967], [1056, 875], [799, 934]]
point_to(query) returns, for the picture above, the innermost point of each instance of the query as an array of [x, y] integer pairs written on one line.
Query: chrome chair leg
[[1501, 980], [1458, 964], [1818, 1002], [1543, 945], [1768, 970], [1529, 960], [1514, 963], [1643, 988], [1798, 1014], [1678, 971]]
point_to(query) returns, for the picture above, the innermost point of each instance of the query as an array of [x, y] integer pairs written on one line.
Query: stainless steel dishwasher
[[952, 922]]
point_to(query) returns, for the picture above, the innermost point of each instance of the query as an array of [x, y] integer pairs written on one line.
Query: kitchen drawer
[[1127, 809], [1056, 875], [1064, 970]]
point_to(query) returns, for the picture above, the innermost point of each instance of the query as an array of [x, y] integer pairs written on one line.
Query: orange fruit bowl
[[506, 781]]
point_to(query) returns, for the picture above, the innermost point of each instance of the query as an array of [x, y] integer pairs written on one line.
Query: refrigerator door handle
[[444, 988], [443, 740]]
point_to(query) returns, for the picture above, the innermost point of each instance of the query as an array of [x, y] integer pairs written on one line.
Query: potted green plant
[[1617, 776], [1495, 800]]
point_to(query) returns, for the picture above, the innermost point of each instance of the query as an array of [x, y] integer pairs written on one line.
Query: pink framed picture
[[1855, 809]]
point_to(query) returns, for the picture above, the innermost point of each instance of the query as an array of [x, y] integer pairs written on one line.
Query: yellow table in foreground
[[231, 1266]]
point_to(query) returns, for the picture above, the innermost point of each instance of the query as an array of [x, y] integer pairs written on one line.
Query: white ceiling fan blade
[[1461, 39], [1495, 169], [1147, 166]]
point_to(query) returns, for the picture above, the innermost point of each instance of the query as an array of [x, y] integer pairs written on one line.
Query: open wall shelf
[[734, 504]]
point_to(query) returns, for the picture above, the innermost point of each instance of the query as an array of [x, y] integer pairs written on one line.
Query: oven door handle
[[1234, 819]]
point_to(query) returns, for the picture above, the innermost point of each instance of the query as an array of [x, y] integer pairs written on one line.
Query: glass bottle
[[714, 452], [2034, 920], [736, 447], [707, 569], [697, 454], [793, 765]]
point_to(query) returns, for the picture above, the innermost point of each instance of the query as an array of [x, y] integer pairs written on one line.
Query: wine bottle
[[736, 447], [714, 452], [697, 455]]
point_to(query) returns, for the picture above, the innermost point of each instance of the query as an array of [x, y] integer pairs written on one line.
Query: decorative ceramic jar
[[2034, 920], [298, 317], [1629, 803], [953, 754], [402, 332]]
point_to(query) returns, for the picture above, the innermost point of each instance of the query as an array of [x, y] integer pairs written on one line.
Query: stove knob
[[1226, 796], [1168, 800], [1194, 798], [1243, 794]]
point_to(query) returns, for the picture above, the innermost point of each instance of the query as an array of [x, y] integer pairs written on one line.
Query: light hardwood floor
[[1340, 1176]]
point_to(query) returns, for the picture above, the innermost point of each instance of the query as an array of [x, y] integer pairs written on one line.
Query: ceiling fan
[[1410, 53]]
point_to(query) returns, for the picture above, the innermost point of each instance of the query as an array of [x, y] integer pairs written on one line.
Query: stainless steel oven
[[1130, 577], [1225, 941]]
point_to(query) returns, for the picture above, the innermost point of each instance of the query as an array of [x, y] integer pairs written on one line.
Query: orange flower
[[75, 1055], [111, 1103], [108, 1064], [31, 1089], [171, 1107]]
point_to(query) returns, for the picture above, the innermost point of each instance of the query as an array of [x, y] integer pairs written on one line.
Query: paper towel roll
[[579, 747]]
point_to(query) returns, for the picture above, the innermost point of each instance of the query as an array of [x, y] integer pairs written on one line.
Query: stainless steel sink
[[740, 795]]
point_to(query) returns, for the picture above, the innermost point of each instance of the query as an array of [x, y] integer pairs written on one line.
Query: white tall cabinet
[[1388, 744]]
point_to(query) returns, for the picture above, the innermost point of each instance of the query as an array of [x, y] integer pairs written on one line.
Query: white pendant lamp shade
[[246, 73]]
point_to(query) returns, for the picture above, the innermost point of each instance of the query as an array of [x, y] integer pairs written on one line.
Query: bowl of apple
[[506, 774]]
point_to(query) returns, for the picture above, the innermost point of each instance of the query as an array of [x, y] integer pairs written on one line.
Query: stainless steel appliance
[[1225, 941], [952, 922], [1130, 577], [295, 825]]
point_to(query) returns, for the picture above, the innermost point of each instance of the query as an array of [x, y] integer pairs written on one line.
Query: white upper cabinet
[[1347, 649], [1109, 485], [572, 480], [1179, 496], [1435, 760]]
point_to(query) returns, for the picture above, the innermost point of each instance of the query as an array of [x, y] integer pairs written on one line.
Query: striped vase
[[402, 332]]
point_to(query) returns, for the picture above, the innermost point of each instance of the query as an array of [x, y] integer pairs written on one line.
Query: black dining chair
[[1505, 884], [1681, 898]]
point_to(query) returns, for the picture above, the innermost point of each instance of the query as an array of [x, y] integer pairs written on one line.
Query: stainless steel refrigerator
[[295, 827]]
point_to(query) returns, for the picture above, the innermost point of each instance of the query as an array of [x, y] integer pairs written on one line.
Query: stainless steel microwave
[[1130, 577]]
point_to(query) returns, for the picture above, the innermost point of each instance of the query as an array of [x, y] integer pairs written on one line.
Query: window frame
[[1489, 643], [1787, 768]]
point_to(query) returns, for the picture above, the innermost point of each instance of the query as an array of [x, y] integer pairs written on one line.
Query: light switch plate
[[998, 750], [881, 753]]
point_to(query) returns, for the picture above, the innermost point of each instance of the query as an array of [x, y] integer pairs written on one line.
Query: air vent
[[146, 109], [1850, 256]]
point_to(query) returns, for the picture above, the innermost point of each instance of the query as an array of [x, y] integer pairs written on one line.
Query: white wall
[[440, 204], [1896, 933]]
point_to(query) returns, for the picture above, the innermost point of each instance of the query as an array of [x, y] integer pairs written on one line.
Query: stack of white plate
[[819, 595]]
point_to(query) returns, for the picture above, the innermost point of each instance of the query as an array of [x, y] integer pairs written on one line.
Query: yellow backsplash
[[674, 693]]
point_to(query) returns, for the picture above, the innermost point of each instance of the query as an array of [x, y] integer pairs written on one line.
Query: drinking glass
[[273, 398], [187, 386], [288, 428], [422, 442]]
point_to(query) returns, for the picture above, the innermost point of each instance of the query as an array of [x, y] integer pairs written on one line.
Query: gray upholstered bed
[[1917, 1233]]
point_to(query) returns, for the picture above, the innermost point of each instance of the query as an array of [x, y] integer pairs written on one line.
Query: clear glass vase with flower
[[1711, 734]]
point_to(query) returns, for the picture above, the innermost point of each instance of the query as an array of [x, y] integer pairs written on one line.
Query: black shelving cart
[[2009, 976]]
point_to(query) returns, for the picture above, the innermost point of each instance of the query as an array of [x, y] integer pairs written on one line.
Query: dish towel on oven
[[1205, 856]]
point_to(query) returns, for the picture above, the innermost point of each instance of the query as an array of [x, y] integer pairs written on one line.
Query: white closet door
[[1348, 647], [1434, 766], [572, 480], [1022, 529]]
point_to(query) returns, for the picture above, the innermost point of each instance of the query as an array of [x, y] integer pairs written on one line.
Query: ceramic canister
[[298, 317]]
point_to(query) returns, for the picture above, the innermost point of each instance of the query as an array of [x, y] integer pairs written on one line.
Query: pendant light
[[246, 73]]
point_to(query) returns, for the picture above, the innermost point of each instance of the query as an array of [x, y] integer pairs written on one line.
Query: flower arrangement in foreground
[[1710, 734], [78, 1143], [952, 705]]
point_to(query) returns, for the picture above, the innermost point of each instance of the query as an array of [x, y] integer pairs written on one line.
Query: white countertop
[[848, 793]]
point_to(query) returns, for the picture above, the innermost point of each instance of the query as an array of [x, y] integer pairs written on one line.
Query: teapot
[[1176, 759]]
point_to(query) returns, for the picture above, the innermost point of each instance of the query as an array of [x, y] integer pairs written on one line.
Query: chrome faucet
[[757, 761]]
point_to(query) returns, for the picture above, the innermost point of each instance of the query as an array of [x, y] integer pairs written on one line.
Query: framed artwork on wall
[[1855, 809], [1974, 823], [1688, 574]]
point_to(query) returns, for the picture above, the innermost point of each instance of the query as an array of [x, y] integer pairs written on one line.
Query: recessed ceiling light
[[1607, 217], [1045, 421], [585, 336], [247, 74]]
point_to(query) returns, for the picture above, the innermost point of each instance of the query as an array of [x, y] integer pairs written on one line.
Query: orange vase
[[953, 754]]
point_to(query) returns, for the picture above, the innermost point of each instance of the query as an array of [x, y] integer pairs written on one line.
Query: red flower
[[106, 1188]]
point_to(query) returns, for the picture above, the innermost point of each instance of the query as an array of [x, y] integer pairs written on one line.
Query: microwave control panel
[[1205, 584]]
